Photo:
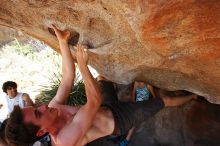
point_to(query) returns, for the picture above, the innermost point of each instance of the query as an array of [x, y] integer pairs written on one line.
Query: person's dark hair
[[2, 132], [8, 84], [18, 133]]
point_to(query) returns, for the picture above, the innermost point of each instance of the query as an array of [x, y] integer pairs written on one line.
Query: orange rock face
[[172, 44]]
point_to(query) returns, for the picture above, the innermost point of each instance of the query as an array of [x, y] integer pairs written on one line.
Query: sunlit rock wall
[[172, 44]]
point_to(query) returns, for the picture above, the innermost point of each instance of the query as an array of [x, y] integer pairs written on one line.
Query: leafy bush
[[77, 95]]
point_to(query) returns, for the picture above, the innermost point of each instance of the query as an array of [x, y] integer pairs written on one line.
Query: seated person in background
[[79, 125], [12, 98], [142, 91]]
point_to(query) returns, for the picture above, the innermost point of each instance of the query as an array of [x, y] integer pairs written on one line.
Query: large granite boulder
[[172, 44]]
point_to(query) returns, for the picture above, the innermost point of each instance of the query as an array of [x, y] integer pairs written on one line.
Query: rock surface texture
[[7, 35], [172, 44]]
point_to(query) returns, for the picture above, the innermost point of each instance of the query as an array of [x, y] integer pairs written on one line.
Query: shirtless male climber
[[78, 125]]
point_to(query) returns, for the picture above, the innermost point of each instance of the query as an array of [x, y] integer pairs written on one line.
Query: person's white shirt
[[8, 104], [3, 110]]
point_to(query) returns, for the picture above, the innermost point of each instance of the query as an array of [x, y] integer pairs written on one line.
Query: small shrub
[[77, 96]]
